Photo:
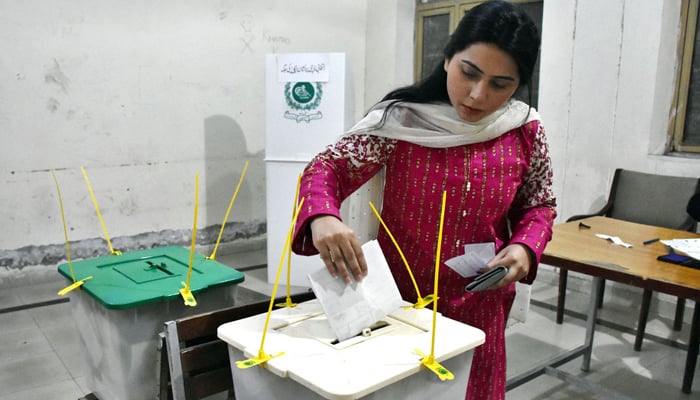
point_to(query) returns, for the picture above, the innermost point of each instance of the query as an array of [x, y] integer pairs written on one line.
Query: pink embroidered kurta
[[497, 191]]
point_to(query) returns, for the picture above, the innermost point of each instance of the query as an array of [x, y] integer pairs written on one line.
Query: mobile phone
[[487, 279], [680, 259]]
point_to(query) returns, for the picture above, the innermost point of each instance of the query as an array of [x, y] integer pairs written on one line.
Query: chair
[[198, 360], [693, 207], [648, 199]]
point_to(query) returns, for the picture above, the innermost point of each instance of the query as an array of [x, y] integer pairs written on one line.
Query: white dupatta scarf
[[438, 125]]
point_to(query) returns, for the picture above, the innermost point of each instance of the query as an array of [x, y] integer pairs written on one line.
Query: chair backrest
[[198, 359], [693, 207], [652, 199]]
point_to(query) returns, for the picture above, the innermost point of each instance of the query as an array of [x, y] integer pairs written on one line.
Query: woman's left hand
[[514, 256]]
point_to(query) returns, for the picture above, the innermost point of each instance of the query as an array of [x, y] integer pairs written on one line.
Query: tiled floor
[[656, 372], [40, 355]]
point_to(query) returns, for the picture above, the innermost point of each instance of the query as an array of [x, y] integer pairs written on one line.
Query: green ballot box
[[120, 310]]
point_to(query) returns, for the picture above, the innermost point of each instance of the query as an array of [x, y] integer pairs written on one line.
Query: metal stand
[[550, 367]]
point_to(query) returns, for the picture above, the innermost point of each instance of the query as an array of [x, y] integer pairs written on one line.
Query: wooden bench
[[198, 363]]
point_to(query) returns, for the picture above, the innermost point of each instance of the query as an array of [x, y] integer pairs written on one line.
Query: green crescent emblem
[[303, 97]]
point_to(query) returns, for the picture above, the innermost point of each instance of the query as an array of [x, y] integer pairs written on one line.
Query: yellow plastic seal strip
[[99, 215], [65, 230], [288, 301], [75, 284], [429, 361], [262, 357], [230, 205], [187, 295], [422, 302]]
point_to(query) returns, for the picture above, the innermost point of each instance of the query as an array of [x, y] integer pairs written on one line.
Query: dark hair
[[495, 22]]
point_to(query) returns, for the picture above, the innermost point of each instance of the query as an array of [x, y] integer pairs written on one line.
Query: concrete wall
[[608, 68], [145, 94]]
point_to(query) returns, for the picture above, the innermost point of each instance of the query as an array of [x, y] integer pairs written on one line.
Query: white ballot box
[[380, 363]]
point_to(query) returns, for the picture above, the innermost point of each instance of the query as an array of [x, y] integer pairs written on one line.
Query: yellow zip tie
[[288, 302], [422, 302], [75, 284], [429, 361], [97, 208], [230, 205], [185, 291], [262, 357], [65, 230]]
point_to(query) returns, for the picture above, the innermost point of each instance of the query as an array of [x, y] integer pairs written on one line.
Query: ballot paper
[[691, 247], [352, 307], [475, 257]]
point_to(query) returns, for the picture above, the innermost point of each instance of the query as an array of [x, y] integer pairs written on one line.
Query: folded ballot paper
[[352, 307], [474, 259]]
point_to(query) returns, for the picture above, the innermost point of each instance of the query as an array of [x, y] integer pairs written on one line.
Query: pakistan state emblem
[[303, 98]]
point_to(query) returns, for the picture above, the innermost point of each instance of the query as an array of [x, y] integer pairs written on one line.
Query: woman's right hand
[[339, 247]]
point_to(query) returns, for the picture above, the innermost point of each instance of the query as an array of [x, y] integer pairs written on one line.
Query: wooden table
[[576, 247]]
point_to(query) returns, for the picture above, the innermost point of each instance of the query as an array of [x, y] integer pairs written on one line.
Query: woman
[[458, 131]]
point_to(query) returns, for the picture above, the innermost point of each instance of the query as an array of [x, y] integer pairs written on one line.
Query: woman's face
[[480, 79]]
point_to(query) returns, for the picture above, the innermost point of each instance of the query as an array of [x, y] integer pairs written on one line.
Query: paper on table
[[691, 247], [352, 307], [475, 257], [615, 239]]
